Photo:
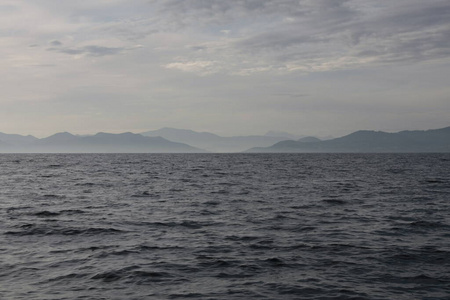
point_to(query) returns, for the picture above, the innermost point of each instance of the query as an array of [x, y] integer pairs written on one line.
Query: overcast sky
[[309, 67]]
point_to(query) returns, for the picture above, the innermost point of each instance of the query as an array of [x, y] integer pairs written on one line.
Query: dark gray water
[[237, 226]]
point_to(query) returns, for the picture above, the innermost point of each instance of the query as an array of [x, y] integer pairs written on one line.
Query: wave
[[38, 229]]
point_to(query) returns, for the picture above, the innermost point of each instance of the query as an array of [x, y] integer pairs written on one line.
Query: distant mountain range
[[170, 140], [215, 143], [436, 140], [282, 134], [99, 143], [17, 139]]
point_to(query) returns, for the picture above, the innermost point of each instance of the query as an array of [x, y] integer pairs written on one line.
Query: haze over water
[[224, 226]]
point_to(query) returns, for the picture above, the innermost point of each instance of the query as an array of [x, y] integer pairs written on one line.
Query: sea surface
[[225, 226]]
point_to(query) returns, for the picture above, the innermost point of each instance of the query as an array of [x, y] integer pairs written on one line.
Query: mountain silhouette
[[309, 139], [65, 142], [283, 134], [214, 142], [435, 140], [16, 139]]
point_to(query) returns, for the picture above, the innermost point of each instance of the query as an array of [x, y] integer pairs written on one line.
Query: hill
[[214, 142], [309, 139], [435, 140], [128, 142], [17, 139]]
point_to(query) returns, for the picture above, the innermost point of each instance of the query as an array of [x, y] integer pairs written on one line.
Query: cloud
[[91, 50], [55, 43], [290, 95], [308, 36], [245, 37], [200, 67], [223, 56]]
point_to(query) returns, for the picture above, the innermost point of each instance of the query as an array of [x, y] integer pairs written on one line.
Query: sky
[[235, 67]]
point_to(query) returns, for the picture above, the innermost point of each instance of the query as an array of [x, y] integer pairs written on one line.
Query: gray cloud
[[317, 35], [216, 11], [291, 95], [102, 51], [91, 50], [271, 35], [278, 40], [282, 64], [55, 43]]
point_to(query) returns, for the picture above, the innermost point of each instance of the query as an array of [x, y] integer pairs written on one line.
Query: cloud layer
[[310, 36], [201, 63]]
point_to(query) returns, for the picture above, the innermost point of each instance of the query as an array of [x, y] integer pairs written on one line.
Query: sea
[[225, 226]]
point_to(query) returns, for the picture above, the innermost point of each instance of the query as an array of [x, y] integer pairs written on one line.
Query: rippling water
[[225, 226]]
